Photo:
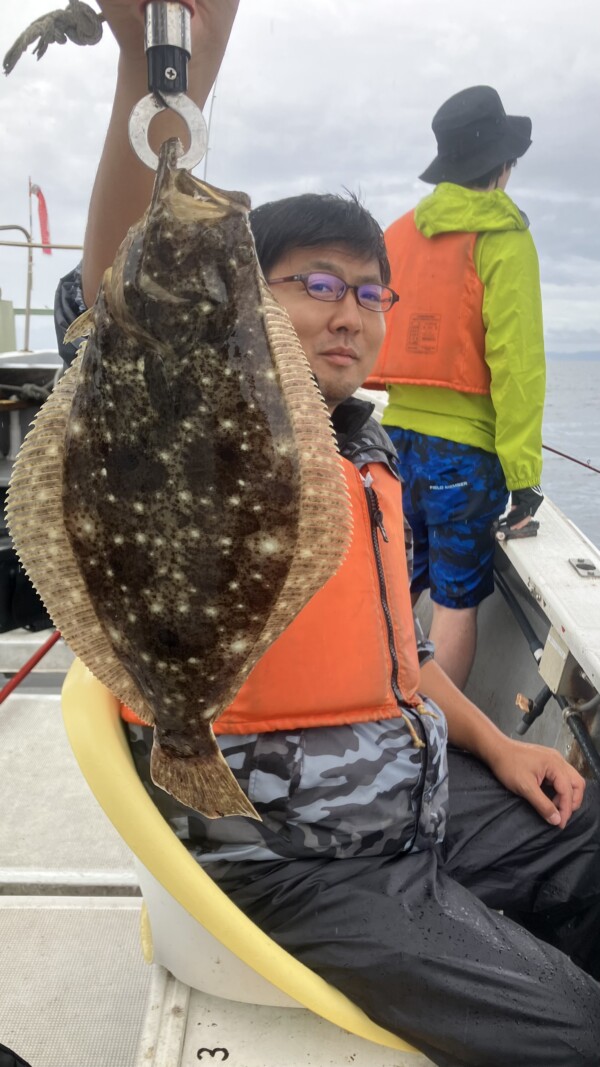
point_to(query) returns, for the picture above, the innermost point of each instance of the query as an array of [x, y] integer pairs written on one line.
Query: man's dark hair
[[314, 219], [485, 180]]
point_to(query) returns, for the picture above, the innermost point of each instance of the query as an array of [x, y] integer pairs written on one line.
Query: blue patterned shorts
[[452, 494]]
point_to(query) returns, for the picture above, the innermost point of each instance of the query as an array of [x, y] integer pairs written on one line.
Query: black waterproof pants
[[418, 942]]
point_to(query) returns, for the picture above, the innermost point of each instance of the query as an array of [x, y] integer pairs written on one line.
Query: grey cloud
[[327, 94]]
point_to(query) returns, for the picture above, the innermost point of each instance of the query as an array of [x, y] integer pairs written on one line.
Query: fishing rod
[[565, 455], [28, 667]]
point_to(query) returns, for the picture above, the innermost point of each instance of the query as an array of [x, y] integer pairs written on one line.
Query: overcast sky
[[326, 94]]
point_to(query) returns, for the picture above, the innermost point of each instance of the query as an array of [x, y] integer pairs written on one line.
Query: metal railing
[[27, 311]]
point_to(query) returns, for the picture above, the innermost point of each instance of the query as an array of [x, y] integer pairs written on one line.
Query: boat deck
[[73, 984], [53, 835]]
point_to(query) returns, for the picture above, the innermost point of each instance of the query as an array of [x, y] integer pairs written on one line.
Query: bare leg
[[454, 634]]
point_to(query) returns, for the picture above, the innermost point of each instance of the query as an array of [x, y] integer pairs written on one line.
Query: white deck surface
[[186, 1027], [52, 831], [271, 1037], [73, 984]]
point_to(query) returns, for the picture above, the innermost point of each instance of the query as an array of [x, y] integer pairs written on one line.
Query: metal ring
[[151, 105]]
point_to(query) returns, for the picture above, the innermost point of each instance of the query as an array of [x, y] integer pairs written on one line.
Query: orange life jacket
[[435, 333], [350, 654]]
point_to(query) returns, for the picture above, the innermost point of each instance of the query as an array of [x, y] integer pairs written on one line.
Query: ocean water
[[572, 425]]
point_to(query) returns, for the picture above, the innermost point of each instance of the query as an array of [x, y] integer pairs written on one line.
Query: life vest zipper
[[377, 527], [416, 727]]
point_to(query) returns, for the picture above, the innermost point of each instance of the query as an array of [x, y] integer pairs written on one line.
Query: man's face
[[341, 339]]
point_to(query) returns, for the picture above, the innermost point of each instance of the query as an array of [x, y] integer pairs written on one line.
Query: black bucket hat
[[474, 134]]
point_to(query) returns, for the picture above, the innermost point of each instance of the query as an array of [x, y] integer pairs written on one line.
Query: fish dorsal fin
[[81, 327], [325, 527], [37, 527]]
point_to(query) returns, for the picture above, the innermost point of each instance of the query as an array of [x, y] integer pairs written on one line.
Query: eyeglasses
[[321, 286]]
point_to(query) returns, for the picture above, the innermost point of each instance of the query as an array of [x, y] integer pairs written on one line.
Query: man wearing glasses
[[382, 857]]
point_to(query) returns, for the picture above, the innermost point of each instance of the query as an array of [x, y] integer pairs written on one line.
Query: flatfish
[[180, 496]]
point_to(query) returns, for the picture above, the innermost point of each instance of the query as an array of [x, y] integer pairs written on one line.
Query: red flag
[[43, 216]]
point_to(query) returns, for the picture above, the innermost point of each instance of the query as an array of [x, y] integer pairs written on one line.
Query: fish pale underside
[[180, 496]]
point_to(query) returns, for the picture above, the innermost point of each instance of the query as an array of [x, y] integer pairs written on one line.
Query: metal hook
[[142, 115], [168, 47]]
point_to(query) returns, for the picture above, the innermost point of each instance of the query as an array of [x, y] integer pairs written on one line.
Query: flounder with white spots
[[180, 497]]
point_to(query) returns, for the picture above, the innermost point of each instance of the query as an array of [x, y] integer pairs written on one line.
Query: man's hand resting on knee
[[521, 767], [525, 769]]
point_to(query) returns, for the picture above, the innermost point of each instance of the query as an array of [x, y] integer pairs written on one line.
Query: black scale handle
[[168, 46]]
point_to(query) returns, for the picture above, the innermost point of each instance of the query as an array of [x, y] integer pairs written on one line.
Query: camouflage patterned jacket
[[336, 791]]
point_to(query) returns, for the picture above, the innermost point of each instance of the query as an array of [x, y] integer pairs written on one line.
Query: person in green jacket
[[463, 364]]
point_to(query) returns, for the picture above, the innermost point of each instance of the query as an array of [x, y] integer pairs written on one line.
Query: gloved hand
[[524, 503]]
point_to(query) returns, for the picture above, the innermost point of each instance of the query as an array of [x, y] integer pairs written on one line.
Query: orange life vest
[[435, 333], [351, 652]]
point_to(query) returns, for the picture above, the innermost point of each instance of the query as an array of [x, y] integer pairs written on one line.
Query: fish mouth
[[222, 200], [191, 198]]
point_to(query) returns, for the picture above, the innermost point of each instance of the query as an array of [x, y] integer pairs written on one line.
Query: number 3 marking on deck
[[212, 1052]]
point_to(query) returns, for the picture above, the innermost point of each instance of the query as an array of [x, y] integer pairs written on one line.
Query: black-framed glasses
[[323, 286]]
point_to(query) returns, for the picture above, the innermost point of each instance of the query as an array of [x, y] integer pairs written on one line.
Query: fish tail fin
[[202, 781]]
